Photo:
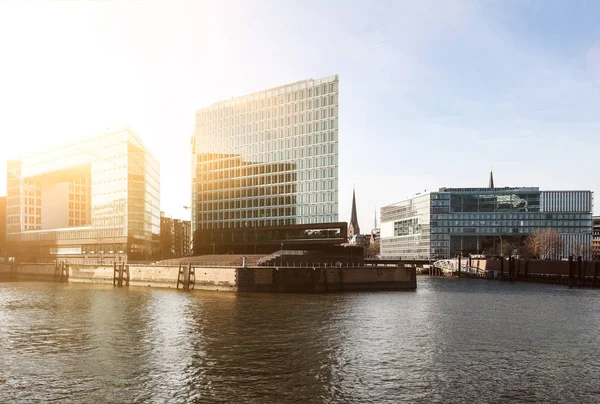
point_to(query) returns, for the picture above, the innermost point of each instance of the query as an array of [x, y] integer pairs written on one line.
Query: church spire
[[353, 227], [491, 185], [375, 219]]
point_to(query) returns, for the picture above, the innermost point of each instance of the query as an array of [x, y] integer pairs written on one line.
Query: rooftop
[[270, 92]]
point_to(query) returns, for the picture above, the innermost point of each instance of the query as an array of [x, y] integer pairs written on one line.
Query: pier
[[188, 276], [573, 272]]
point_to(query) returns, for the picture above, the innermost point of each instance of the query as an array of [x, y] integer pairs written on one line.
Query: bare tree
[[508, 248], [580, 250], [372, 250], [545, 244]]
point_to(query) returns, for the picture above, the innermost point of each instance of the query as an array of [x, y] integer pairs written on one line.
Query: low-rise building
[[491, 221], [175, 237]]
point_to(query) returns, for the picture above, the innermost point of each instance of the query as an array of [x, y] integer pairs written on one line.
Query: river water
[[450, 341]]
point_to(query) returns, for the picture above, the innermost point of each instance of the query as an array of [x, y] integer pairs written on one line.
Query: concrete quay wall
[[255, 279], [27, 272]]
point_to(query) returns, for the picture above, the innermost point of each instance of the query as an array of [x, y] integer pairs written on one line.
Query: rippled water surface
[[450, 341]]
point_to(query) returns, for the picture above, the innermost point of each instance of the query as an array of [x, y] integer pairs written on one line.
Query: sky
[[432, 93]]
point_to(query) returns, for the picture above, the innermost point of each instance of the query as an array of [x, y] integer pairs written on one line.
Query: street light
[[213, 246], [281, 254], [191, 242]]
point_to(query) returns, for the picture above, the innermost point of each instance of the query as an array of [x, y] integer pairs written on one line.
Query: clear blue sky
[[432, 93]]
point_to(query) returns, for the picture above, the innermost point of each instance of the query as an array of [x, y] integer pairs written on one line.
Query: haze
[[431, 93]]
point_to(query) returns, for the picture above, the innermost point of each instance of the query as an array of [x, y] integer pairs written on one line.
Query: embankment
[[255, 279]]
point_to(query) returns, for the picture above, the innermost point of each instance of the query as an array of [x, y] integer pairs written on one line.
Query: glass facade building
[[454, 221], [266, 159], [91, 199]]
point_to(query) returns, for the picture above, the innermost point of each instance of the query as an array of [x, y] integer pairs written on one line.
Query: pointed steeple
[[491, 185], [353, 227], [375, 219]]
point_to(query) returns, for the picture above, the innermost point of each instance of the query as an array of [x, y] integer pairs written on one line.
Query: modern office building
[[596, 238], [265, 170], [93, 200], [453, 221]]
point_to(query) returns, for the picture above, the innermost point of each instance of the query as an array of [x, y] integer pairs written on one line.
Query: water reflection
[[458, 341]]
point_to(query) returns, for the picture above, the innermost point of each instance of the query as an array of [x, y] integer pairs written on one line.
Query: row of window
[[77, 197], [244, 104], [216, 140], [521, 216], [280, 138], [223, 190], [296, 113], [503, 230], [249, 223], [241, 203], [511, 223]]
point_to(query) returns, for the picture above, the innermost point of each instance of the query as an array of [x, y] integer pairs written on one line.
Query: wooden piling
[[115, 274], [579, 272], [191, 276], [571, 271]]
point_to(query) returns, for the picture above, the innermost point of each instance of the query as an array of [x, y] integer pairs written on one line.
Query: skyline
[[469, 84]]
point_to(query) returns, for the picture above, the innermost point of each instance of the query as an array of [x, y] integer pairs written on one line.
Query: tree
[[545, 244], [580, 250], [508, 248], [372, 250]]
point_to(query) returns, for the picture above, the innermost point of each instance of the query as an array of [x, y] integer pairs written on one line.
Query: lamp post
[[281, 254], [245, 237], [213, 246], [191, 242]]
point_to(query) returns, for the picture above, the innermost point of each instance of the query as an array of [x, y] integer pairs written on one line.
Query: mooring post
[[518, 269], [501, 268], [596, 269], [186, 278], [512, 269], [179, 276], [571, 271], [115, 275], [459, 266], [191, 276], [579, 272]]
